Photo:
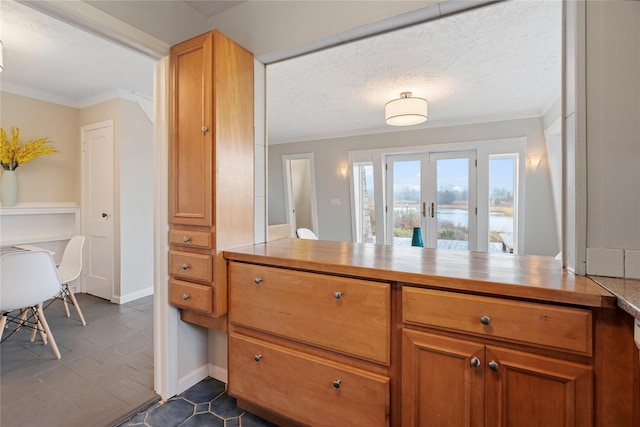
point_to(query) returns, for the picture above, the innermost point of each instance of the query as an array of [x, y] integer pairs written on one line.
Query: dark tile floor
[[205, 404], [106, 369]]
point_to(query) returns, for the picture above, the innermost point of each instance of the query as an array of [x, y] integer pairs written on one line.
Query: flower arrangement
[[13, 155]]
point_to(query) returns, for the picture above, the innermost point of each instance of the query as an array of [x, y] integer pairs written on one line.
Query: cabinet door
[[442, 381], [191, 145], [528, 390]]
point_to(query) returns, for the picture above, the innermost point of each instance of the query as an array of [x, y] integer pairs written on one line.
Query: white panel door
[[97, 201]]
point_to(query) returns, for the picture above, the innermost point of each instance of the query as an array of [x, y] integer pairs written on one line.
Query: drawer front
[[191, 266], [305, 388], [196, 239], [190, 296], [564, 328], [340, 314]]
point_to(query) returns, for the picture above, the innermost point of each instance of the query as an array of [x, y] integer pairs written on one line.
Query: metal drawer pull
[[257, 280], [337, 294], [204, 129], [185, 296], [485, 320], [336, 383], [257, 357], [186, 239], [493, 365], [185, 266], [475, 362]]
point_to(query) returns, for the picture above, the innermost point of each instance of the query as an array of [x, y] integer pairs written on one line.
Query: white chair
[[305, 233], [26, 280], [69, 270]]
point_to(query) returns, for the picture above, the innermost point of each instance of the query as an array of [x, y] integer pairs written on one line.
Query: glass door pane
[[404, 212], [502, 209], [452, 210]]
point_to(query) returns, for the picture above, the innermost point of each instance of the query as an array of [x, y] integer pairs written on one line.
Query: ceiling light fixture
[[406, 110]]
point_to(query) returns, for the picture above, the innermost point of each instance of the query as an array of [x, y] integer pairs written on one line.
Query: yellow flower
[[13, 155]]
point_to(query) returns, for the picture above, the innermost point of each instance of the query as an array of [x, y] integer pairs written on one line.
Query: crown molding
[[92, 20]]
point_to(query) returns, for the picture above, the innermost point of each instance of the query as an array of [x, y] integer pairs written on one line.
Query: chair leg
[[47, 331], [63, 293], [23, 318], [75, 303], [3, 323], [37, 327]]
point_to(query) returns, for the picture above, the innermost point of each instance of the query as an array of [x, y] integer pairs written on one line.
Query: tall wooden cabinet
[[211, 170]]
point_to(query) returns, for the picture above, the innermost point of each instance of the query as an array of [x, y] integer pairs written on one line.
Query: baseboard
[[218, 373], [123, 299], [192, 378]]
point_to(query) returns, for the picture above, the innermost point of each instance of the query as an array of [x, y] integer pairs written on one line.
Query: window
[[365, 211], [463, 196], [502, 207]]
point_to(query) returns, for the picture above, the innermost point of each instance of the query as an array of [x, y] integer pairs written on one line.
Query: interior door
[[97, 208], [452, 201], [300, 192]]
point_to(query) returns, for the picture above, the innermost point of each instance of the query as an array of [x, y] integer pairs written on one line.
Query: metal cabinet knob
[[257, 357], [185, 266], [204, 129], [493, 365], [475, 362], [485, 320], [185, 296], [105, 215], [257, 280], [337, 294], [336, 383], [186, 239]]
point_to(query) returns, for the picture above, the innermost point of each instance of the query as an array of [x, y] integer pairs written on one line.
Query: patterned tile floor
[[205, 404]]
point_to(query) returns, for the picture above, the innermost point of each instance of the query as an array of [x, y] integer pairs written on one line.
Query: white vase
[[9, 188]]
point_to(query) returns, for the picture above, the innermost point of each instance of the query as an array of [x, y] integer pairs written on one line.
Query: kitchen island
[[335, 333]]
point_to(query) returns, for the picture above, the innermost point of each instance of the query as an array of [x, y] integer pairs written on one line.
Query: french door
[[451, 198], [435, 192]]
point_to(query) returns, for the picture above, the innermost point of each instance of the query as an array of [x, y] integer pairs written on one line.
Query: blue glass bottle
[[417, 237]]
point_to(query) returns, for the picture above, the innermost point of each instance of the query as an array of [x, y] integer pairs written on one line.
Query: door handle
[[433, 208], [105, 215], [424, 209]]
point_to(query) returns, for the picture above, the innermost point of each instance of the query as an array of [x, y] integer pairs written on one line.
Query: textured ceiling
[[53, 61], [496, 62]]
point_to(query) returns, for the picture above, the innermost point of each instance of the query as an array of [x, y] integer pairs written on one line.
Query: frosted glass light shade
[[406, 110]]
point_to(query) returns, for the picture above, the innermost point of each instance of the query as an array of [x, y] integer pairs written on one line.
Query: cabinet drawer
[[191, 266], [190, 296], [565, 328], [307, 389], [195, 239], [340, 314]]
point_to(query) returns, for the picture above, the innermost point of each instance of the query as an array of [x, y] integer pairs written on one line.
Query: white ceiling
[[491, 63]]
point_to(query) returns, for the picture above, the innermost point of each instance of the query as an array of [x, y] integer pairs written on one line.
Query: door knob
[[105, 215]]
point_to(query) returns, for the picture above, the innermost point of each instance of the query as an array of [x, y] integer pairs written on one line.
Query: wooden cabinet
[[310, 347], [464, 379], [211, 167]]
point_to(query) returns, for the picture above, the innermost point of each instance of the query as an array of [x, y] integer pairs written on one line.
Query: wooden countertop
[[518, 276]]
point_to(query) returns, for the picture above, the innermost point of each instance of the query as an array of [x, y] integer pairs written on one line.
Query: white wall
[[136, 202], [334, 221], [613, 137]]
